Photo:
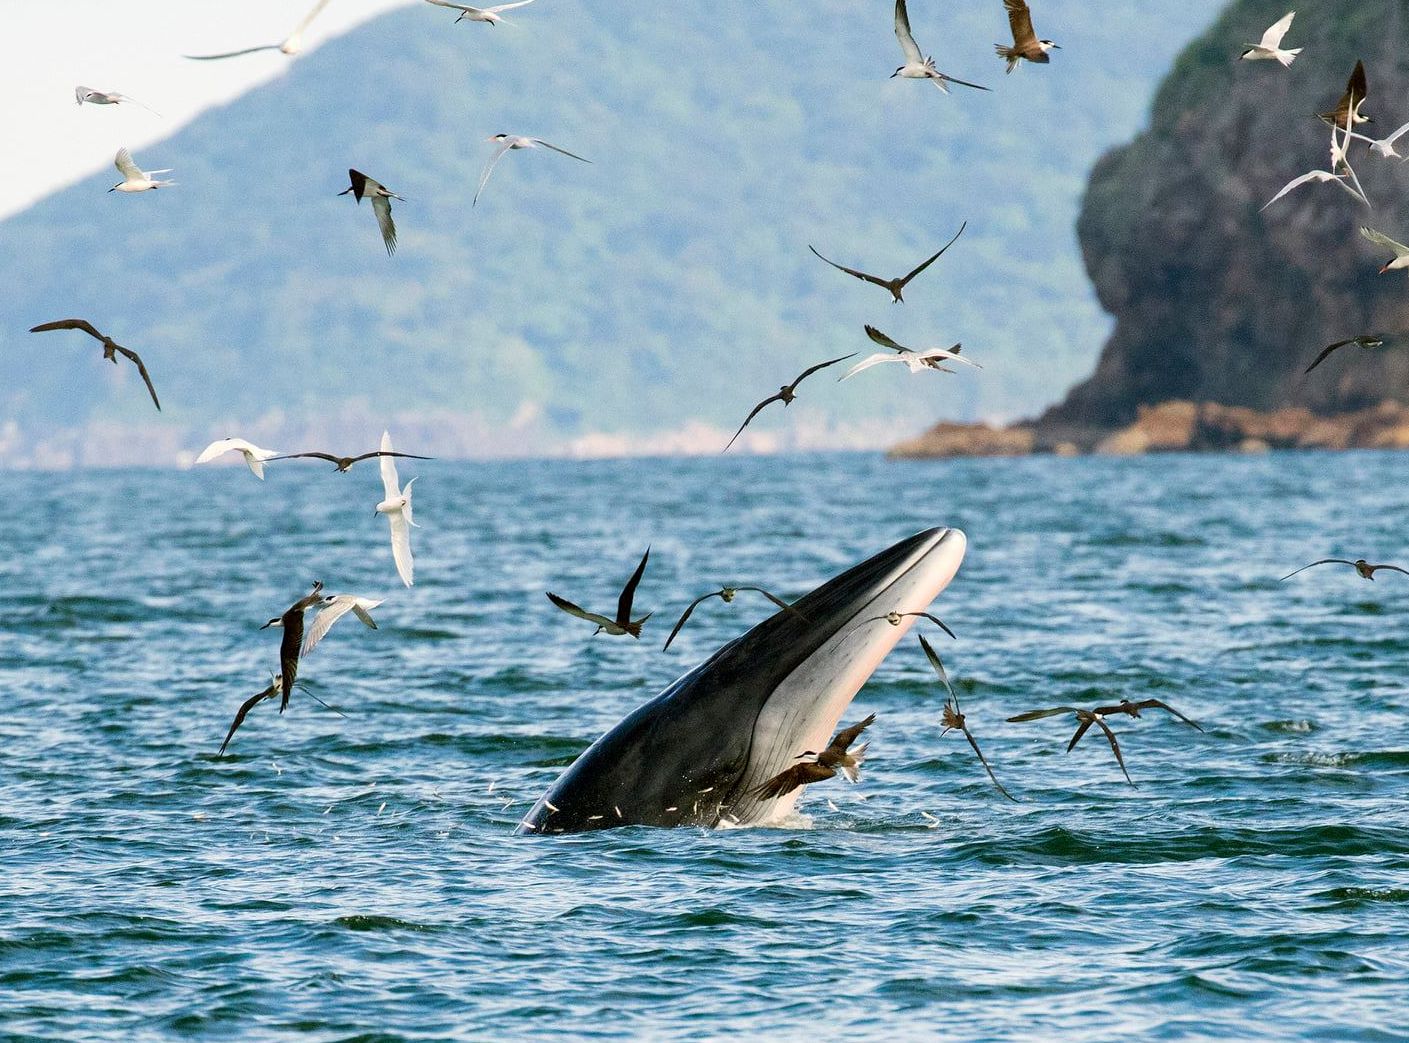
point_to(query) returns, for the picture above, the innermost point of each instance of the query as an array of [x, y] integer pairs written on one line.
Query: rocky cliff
[[1214, 299]]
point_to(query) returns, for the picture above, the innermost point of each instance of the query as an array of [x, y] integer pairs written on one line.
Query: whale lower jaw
[[697, 752]]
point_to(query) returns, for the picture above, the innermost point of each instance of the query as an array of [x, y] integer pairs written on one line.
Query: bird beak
[[1384, 269], [895, 74], [266, 626]]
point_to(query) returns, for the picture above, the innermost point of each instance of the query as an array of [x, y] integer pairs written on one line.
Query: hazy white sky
[[51, 46]]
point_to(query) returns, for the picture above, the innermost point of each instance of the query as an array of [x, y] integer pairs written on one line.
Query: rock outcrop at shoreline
[[1177, 426]]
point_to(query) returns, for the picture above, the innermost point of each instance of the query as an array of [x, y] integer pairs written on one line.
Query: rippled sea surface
[[355, 877]]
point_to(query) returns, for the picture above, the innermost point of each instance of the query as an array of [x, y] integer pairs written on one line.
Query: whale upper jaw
[[694, 754]]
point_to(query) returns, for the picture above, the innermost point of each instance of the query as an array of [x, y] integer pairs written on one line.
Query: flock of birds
[[298, 640]]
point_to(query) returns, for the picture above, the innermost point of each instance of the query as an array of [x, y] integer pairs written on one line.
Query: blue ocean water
[[354, 877]]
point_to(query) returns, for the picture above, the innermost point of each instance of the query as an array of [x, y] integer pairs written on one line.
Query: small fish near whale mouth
[[697, 754]]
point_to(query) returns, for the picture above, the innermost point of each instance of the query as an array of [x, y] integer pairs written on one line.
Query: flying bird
[[895, 286], [785, 395], [381, 198], [479, 14], [342, 463], [894, 618], [509, 142], [917, 66], [1401, 252], [134, 178], [276, 684], [953, 718], [915, 361], [291, 644], [1361, 566], [623, 623], [727, 595], [1356, 91], [254, 456], [92, 97], [825, 765], [1086, 718], [1026, 45], [1270, 48], [1384, 147], [1320, 177], [397, 508], [290, 46], [1361, 342], [1132, 709], [334, 607], [111, 348]]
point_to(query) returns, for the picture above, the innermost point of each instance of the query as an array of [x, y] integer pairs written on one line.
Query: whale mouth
[[695, 754]]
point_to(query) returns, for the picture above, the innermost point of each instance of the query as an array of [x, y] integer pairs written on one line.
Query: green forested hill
[[666, 285]]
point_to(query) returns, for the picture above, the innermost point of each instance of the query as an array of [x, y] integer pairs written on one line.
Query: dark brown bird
[[111, 348], [895, 286], [342, 463], [953, 718], [623, 623], [1360, 342], [291, 645], [275, 685], [1360, 565], [1356, 90], [1133, 710], [1086, 719], [1026, 45], [785, 395], [827, 763], [727, 594]]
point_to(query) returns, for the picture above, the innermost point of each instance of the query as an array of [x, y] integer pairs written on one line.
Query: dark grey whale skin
[[688, 747]]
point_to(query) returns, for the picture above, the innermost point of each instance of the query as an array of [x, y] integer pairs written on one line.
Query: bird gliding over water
[[895, 286], [917, 66], [342, 463], [111, 348], [291, 644], [623, 623], [952, 717], [334, 607], [291, 45], [1362, 567], [397, 508], [254, 456]]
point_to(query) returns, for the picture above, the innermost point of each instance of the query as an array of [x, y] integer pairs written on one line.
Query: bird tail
[[634, 629], [1287, 57], [1011, 55], [852, 771]]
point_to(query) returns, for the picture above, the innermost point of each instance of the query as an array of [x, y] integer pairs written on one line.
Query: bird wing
[[1033, 715], [844, 738], [1396, 135], [508, 7], [1357, 88], [1326, 353], [938, 665], [884, 341], [489, 169], [457, 7], [142, 369], [1295, 183], [791, 778], [771, 597], [125, 164], [813, 369], [381, 206], [1380, 239], [391, 482], [686, 615], [1272, 39], [1159, 704], [1086, 720], [1020, 21], [906, 281], [68, 324], [290, 645], [308, 18], [134, 101], [1115, 748], [401, 546], [867, 363], [948, 354], [936, 621], [331, 612], [576, 610], [308, 456], [1323, 561], [941, 79], [555, 148], [84, 93], [362, 609], [245, 708], [628, 592], [756, 410], [905, 36], [231, 54], [852, 271], [1374, 569], [984, 761]]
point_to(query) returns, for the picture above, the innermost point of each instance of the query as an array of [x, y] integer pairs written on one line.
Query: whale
[[696, 754]]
